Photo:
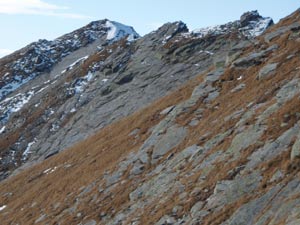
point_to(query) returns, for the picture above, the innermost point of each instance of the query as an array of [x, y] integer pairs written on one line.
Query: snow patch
[[22, 101], [166, 39], [256, 28], [42, 89], [14, 104], [216, 30], [117, 31], [50, 170], [12, 86], [2, 129], [27, 150], [77, 62], [2, 207], [81, 83]]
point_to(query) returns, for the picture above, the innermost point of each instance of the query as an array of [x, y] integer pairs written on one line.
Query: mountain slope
[[221, 149], [99, 84]]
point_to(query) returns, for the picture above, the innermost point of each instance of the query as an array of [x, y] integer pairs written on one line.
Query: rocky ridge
[[223, 148], [89, 87]]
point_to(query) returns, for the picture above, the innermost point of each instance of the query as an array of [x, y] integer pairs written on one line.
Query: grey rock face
[[238, 88], [91, 222], [173, 137], [248, 212], [288, 91], [266, 70], [196, 209], [280, 31], [166, 220], [245, 139], [272, 149], [295, 153], [226, 192], [255, 58]]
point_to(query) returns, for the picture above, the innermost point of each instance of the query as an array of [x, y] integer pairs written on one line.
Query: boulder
[[172, 138], [267, 70]]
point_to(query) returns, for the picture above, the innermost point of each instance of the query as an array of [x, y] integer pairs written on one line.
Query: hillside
[[176, 127]]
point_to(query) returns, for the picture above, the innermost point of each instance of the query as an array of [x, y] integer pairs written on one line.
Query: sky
[[26, 21]]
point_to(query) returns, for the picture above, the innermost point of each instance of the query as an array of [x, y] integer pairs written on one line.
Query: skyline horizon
[[50, 21]]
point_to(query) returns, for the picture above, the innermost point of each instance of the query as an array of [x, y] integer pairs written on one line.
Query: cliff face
[[222, 148]]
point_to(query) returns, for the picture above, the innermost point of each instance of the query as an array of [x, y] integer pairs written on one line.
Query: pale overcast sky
[[25, 21]]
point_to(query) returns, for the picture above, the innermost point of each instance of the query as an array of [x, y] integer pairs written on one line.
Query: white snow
[[77, 61], [117, 31], [42, 89], [54, 127], [72, 110], [70, 67], [89, 76], [82, 83], [12, 86], [112, 33], [79, 87], [166, 39], [208, 52], [104, 80], [51, 112], [14, 104], [2, 207], [2, 129], [260, 27], [50, 170], [202, 32], [27, 150], [19, 104]]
